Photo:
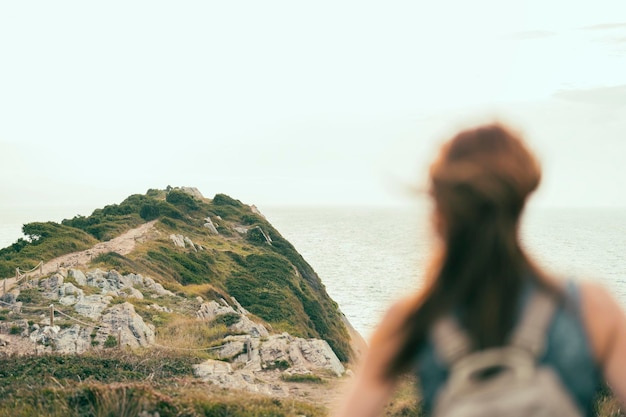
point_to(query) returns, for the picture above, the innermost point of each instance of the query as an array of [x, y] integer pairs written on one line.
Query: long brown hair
[[479, 183]]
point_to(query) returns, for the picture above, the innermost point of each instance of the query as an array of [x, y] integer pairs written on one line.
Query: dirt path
[[123, 244]]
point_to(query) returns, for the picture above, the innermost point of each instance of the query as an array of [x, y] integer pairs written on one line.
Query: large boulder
[[210, 310], [122, 321], [221, 374], [92, 306], [78, 276]]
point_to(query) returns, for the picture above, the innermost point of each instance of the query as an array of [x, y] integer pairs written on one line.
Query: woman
[[479, 184]]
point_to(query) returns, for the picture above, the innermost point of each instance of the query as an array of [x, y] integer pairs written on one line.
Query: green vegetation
[[114, 383], [42, 241], [307, 378], [271, 281]]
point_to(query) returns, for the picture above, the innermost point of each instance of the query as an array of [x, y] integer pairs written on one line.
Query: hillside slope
[[217, 249]]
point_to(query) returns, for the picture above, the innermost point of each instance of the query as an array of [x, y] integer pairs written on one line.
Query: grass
[[115, 383], [306, 378]]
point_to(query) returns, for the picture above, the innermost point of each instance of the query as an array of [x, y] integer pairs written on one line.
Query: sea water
[[368, 257]]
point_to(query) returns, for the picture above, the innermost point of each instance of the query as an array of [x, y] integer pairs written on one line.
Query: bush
[[224, 200], [227, 319], [110, 342], [181, 199]]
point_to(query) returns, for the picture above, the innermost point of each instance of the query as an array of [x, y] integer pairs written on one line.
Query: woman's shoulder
[[601, 314]]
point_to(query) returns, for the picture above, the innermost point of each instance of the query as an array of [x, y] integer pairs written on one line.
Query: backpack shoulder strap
[[530, 333], [451, 342]]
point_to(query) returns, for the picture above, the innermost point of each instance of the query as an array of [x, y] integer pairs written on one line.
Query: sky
[[302, 103]]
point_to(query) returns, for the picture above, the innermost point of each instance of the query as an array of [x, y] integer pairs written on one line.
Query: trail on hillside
[[123, 244]]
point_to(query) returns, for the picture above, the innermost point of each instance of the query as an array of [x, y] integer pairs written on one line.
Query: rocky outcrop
[[122, 320], [221, 374], [293, 353], [211, 310], [251, 358], [92, 306], [209, 225], [193, 191], [185, 242]]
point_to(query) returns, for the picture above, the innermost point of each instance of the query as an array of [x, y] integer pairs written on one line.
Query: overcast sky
[[338, 102]]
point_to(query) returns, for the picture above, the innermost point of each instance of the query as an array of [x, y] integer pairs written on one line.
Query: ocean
[[368, 257]]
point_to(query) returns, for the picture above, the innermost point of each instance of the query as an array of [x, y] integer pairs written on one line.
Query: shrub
[[224, 200], [15, 330], [227, 319], [110, 342]]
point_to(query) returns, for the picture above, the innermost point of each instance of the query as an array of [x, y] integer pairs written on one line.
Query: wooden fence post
[[41, 268], [119, 338], [4, 290], [51, 315]]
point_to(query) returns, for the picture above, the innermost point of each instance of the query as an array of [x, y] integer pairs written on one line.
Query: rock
[[132, 292], [92, 305], [121, 319], [245, 325], [302, 354], [189, 242], [232, 349], [135, 279], [208, 311], [209, 225], [68, 300], [160, 308], [256, 211], [298, 355], [240, 309], [221, 374], [74, 339], [78, 276], [100, 279], [241, 230], [69, 289], [157, 288], [45, 335], [11, 327], [211, 367], [193, 191], [178, 240], [8, 298], [51, 283]]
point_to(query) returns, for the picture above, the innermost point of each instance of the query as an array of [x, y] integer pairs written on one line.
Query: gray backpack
[[502, 381]]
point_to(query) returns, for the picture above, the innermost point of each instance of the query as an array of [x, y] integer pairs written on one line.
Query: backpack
[[501, 381]]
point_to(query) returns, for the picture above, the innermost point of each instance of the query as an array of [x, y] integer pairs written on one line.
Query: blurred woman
[[479, 184]]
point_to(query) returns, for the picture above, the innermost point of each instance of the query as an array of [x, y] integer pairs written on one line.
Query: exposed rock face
[[221, 374], [51, 283], [78, 276], [193, 191], [92, 306], [121, 320], [178, 240], [252, 357], [210, 310], [209, 225]]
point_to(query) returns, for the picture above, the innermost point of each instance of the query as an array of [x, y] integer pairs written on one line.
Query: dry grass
[[190, 333]]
